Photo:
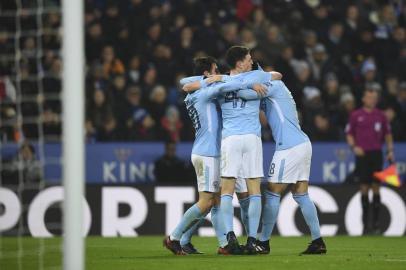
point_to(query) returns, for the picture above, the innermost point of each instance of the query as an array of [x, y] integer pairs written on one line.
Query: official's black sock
[[376, 206], [365, 210]]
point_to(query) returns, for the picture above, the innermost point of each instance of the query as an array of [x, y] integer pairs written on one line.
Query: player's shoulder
[[191, 98], [198, 96], [277, 83]]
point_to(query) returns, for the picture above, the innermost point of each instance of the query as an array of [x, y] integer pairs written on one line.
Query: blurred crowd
[[329, 52]]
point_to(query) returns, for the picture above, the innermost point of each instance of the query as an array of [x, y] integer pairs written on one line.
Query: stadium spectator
[[323, 130], [171, 124], [24, 169], [169, 168], [367, 130], [139, 122], [157, 103], [134, 70], [111, 65], [51, 125], [95, 41], [100, 120], [347, 105]]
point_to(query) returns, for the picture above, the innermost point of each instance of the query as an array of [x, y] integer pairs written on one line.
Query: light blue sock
[[187, 236], [254, 214], [269, 214], [193, 214], [309, 213], [227, 211], [218, 225], [244, 204]]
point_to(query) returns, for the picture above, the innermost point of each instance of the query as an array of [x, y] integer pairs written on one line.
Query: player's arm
[[197, 84], [220, 88], [255, 91], [190, 84], [230, 86], [190, 80], [349, 129], [275, 76], [259, 76]]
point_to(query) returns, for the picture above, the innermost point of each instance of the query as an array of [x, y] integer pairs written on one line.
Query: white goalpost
[[73, 133]]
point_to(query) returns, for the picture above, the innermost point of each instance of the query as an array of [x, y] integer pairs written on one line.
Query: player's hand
[[214, 78], [260, 89], [390, 156], [358, 151]]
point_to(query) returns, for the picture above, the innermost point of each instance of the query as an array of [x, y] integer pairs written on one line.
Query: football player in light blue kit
[[241, 147], [206, 117], [249, 115], [290, 164]]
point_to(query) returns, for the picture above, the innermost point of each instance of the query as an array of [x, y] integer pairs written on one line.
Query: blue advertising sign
[[133, 163]]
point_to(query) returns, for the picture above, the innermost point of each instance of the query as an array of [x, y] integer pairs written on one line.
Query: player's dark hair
[[203, 64], [235, 54]]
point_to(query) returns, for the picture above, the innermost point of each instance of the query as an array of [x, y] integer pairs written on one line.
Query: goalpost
[[73, 132], [30, 131]]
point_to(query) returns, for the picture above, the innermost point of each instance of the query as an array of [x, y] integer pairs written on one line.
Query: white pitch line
[[395, 260]]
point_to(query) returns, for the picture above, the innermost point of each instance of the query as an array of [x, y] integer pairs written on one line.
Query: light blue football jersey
[[205, 114], [281, 113], [242, 116]]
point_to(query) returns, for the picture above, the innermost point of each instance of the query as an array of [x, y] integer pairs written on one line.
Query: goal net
[[30, 130]]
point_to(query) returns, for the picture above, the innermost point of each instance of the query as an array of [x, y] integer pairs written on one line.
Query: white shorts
[[291, 165], [241, 156], [207, 172]]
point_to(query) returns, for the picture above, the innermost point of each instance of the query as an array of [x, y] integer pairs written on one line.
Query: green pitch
[[148, 253]]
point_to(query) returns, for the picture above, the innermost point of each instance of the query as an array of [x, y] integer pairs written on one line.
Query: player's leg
[[205, 202], [270, 214], [254, 213], [226, 203], [272, 199], [218, 224], [309, 212], [197, 211], [300, 169], [208, 182], [243, 198], [231, 162], [253, 172]]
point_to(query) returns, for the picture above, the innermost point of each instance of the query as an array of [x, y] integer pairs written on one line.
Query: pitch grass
[[148, 253]]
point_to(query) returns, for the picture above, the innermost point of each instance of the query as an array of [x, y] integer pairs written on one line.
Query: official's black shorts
[[366, 165]]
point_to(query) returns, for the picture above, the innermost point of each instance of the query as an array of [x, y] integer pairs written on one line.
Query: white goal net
[[30, 126]]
